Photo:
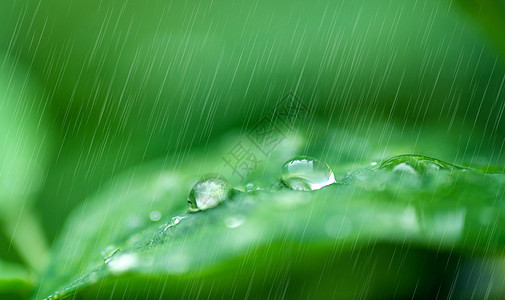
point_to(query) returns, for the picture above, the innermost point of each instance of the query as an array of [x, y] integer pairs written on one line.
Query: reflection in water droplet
[[306, 174], [122, 263], [234, 221], [404, 167], [155, 215], [109, 252], [208, 193]]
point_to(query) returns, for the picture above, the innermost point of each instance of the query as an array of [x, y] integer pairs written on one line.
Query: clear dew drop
[[208, 193], [109, 252], [304, 173], [175, 220], [251, 187], [155, 216]]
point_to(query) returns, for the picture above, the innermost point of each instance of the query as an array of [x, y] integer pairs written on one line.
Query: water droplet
[[234, 221], [208, 193], [405, 168], [155, 215], [109, 252], [175, 220], [250, 187], [416, 164], [57, 296], [123, 263], [306, 174]]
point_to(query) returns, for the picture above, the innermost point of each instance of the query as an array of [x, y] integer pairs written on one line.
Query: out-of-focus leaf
[[24, 136], [25, 151], [111, 241], [490, 14], [15, 281]]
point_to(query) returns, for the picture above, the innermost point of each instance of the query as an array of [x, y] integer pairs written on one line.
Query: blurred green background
[[91, 88]]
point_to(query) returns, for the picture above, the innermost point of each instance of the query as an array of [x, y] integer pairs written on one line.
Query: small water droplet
[[338, 226], [208, 193], [234, 221], [250, 187], [55, 296], [175, 220], [304, 173], [155, 215], [109, 252], [123, 263]]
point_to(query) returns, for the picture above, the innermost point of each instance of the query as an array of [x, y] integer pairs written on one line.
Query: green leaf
[[15, 281], [26, 148], [490, 15], [111, 243], [23, 135], [174, 78]]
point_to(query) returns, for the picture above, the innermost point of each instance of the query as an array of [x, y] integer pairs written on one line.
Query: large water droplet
[[155, 215], [416, 164], [208, 193], [304, 173]]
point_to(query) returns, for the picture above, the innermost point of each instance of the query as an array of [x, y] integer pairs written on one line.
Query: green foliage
[[130, 82], [164, 90], [24, 136], [450, 211], [489, 14], [15, 281], [26, 150]]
